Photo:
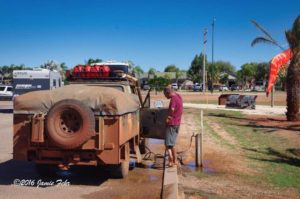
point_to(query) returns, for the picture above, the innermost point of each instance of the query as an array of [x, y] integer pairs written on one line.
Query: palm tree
[[53, 65], [267, 38], [151, 71], [137, 70], [293, 73]]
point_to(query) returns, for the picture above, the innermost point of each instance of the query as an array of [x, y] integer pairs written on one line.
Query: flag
[[277, 62]]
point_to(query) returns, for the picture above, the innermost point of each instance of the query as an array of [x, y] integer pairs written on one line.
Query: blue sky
[[149, 33]]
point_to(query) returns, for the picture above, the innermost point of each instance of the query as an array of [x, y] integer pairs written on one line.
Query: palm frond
[[269, 38], [262, 40], [262, 29]]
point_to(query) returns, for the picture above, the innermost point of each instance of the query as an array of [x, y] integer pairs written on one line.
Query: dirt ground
[[222, 163], [226, 166], [189, 96]]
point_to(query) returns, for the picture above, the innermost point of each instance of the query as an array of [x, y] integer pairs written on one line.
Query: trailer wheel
[[70, 123], [121, 170]]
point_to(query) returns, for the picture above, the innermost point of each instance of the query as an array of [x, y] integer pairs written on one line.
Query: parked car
[[197, 87], [223, 88], [146, 87], [175, 86], [259, 88], [6, 92], [234, 87]]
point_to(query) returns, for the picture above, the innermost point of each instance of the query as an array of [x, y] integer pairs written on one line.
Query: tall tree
[[261, 71], [151, 72], [246, 73], [159, 83], [195, 70], [7, 71], [92, 61], [173, 68], [53, 65], [293, 73], [213, 75], [224, 67], [130, 63], [137, 70]]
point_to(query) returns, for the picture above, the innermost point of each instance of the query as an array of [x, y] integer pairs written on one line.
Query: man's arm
[[170, 114]]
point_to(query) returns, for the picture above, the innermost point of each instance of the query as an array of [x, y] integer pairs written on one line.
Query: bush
[[159, 83]]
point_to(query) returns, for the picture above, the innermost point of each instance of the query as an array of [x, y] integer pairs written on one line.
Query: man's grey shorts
[[171, 135]]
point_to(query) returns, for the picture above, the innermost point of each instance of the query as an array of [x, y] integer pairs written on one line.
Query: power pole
[[212, 43], [203, 69], [212, 52], [272, 96], [198, 143]]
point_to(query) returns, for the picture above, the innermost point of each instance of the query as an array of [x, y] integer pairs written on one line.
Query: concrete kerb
[[170, 183]]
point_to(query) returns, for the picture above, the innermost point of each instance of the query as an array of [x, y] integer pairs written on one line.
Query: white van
[[6, 92], [174, 86]]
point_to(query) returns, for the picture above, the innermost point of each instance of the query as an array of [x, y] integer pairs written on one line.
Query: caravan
[[38, 79]]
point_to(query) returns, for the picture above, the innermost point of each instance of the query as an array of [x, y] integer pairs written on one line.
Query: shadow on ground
[[12, 170], [271, 124], [278, 157], [273, 128]]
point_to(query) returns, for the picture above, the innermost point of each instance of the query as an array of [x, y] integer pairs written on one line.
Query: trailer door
[[153, 118], [153, 122]]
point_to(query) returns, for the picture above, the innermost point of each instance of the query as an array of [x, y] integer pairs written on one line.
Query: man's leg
[[174, 156], [171, 157]]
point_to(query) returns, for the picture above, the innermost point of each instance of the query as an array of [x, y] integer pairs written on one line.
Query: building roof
[[230, 75]]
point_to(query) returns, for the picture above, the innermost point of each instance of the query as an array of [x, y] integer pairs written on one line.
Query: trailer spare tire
[[70, 123]]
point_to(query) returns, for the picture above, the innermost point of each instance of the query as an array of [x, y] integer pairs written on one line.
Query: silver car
[[223, 88]]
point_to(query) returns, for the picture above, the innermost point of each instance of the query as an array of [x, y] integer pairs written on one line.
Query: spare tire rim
[[70, 121]]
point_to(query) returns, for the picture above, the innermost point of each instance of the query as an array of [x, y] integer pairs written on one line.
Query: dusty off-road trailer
[[94, 121], [33, 80]]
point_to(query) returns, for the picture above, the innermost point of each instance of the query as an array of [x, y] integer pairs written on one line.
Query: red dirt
[[280, 97], [226, 166]]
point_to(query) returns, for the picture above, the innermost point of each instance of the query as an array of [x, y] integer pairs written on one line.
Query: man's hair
[[168, 89]]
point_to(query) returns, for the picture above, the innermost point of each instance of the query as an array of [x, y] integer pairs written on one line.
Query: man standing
[[173, 122]]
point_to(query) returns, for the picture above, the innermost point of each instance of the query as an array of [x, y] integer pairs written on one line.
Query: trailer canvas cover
[[102, 100]]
